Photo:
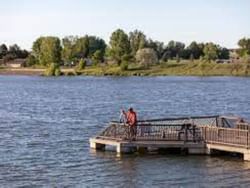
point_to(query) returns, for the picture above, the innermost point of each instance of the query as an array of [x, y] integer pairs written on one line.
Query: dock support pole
[[97, 146], [246, 156]]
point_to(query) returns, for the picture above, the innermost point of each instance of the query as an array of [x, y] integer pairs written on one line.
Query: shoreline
[[180, 69]]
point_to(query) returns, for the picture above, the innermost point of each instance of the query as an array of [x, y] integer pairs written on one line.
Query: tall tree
[[223, 53], [157, 46], [119, 45], [97, 57], [3, 50], [210, 51], [96, 44], [195, 49], [244, 45], [137, 41], [68, 48], [47, 50], [81, 48], [36, 49], [14, 51], [175, 49]]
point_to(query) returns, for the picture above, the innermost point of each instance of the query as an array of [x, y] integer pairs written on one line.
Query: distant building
[[16, 63], [223, 61], [234, 56]]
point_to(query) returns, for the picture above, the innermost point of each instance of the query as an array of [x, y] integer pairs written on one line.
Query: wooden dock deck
[[196, 135]]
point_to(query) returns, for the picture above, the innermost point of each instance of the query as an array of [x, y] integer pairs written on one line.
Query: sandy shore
[[27, 71], [21, 71]]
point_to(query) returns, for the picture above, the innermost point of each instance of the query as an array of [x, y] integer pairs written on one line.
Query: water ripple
[[45, 124]]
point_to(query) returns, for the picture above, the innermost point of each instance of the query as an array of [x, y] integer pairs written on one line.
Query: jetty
[[194, 135]]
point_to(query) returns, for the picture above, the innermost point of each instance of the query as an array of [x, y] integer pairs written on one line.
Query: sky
[[220, 21]]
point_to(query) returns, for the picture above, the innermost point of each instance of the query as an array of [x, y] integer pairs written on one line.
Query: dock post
[[95, 145], [246, 156], [208, 151], [125, 149], [186, 133]]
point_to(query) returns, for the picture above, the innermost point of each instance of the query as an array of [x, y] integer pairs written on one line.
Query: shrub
[[124, 65], [58, 72], [31, 60], [146, 57], [53, 70], [82, 64]]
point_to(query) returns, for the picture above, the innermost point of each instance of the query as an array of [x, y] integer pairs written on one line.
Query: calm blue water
[[45, 124]]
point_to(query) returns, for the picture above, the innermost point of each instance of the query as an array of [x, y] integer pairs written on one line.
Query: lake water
[[45, 124]]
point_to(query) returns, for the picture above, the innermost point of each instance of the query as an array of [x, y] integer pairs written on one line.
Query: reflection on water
[[45, 124]]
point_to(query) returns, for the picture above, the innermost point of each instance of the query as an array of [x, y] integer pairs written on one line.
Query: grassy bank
[[173, 68], [183, 68]]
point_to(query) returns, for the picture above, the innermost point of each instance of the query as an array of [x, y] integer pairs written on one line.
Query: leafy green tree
[[82, 64], [68, 48], [210, 51], [8, 57], [14, 48], [97, 57], [244, 45], [124, 66], [16, 52], [53, 70], [166, 56], [119, 45], [125, 62], [50, 51], [195, 49], [36, 49], [223, 53], [81, 48], [137, 41], [174, 47], [157, 46], [247, 64], [31, 60], [3, 50], [96, 44], [47, 50]]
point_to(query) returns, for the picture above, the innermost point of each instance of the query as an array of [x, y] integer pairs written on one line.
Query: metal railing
[[225, 136], [209, 129], [169, 129], [154, 132], [174, 132]]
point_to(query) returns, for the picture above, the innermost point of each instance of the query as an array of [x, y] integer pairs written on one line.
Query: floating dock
[[194, 135]]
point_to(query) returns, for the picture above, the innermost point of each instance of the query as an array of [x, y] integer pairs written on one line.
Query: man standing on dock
[[131, 120]]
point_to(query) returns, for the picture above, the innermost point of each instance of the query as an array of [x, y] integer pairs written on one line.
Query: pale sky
[[219, 21]]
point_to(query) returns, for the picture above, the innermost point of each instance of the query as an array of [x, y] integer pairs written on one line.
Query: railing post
[[115, 130], [216, 120], [205, 135], [186, 136], [247, 138]]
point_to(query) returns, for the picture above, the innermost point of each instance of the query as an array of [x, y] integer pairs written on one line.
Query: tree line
[[12, 52], [122, 48]]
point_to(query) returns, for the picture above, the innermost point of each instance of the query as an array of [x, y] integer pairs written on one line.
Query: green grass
[[170, 68], [196, 68]]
